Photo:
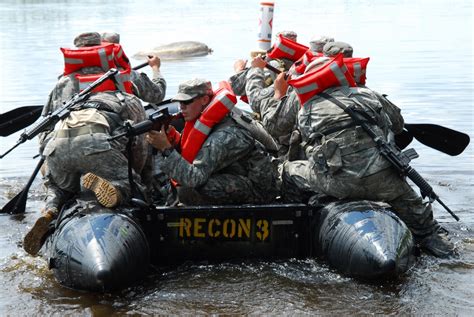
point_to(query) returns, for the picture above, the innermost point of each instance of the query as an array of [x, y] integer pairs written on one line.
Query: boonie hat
[[192, 88]]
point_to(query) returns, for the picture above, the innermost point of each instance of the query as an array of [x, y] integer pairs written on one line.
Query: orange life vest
[[357, 68], [196, 132], [122, 82], [305, 60], [120, 58], [333, 73], [90, 56], [286, 48]]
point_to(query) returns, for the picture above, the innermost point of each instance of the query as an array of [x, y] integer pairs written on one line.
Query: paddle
[[443, 139], [22, 117], [17, 204]]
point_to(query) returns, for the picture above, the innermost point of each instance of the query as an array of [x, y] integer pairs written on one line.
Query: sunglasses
[[187, 102]]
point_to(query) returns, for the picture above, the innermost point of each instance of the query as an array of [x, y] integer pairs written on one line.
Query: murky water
[[421, 56]]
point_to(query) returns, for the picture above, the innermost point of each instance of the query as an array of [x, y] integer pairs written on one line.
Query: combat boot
[[35, 238], [106, 193], [438, 244]]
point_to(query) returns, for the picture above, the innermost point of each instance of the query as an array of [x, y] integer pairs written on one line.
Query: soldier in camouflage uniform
[[277, 108], [78, 147], [230, 167], [239, 79], [344, 161], [152, 91]]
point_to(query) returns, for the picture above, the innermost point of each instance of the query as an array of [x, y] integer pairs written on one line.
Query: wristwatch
[[167, 152]]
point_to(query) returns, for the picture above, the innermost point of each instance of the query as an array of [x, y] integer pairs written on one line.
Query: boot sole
[[106, 194], [35, 238]]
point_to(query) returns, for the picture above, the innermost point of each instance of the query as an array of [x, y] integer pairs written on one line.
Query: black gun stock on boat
[[62, 112], [399, 160], [161, 117]]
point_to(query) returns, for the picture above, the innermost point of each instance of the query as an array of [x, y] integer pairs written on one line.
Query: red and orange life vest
[[196, 132], [105, 56], [305, 60], [357, 68], [333, 73], [286, 48]]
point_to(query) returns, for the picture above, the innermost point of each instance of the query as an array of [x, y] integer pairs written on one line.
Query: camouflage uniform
[[152, 91], [230, 168], [278, 116], [344, 162], [69, 157]]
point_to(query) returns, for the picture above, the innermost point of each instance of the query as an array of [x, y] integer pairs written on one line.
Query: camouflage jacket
[[229, 149], [334, 142], [278, 116], [152, 91]]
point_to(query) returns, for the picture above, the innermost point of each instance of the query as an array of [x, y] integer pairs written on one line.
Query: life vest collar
[[286, 48]]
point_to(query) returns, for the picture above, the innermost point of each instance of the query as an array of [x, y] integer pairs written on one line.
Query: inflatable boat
[[95, 249]]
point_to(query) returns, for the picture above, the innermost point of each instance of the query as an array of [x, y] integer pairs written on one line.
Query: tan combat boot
[[106, 193], [35, 238]]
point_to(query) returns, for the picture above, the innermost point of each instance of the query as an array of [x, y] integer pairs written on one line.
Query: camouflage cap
[[110, 37], [192, 88], [288, 34], [316, 45], [333, 48], [87, 39]]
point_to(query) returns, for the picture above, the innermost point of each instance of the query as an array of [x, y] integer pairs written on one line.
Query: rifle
[[161, 117], [60, 113], [399, 160]]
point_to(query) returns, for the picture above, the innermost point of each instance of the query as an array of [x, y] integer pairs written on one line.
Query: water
[[421, 56]]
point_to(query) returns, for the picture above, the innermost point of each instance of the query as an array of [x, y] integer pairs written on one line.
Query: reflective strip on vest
[[338, 72], [357, 71], [226, 102], [103, 59], [73, 60], [307, 88], [201, 127], [285, 49]]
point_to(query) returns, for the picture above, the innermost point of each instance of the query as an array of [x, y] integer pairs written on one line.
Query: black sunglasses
[[187, 102]]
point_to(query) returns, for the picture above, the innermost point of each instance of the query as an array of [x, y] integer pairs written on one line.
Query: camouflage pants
[[221, 189], [68, 159], [299, 177]]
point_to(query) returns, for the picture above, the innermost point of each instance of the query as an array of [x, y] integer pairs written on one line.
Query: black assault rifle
[[399, 160], [60, 113], [161, 117]]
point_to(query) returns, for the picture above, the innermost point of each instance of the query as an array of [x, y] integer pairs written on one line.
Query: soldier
[[152, 91], [345, 162], [220, 162], [78, 148]]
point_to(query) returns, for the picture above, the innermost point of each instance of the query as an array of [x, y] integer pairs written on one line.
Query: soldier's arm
[[221, 149]]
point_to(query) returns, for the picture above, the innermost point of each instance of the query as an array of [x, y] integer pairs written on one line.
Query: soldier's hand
[[154, 62], [258, 62], [158, 139], [281, 86], [239, 65]]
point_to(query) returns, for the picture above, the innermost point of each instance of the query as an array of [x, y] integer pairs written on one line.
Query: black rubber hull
[[363, 239], [98, 252]]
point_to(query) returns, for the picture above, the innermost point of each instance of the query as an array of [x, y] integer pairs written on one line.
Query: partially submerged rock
[[176, 50]]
